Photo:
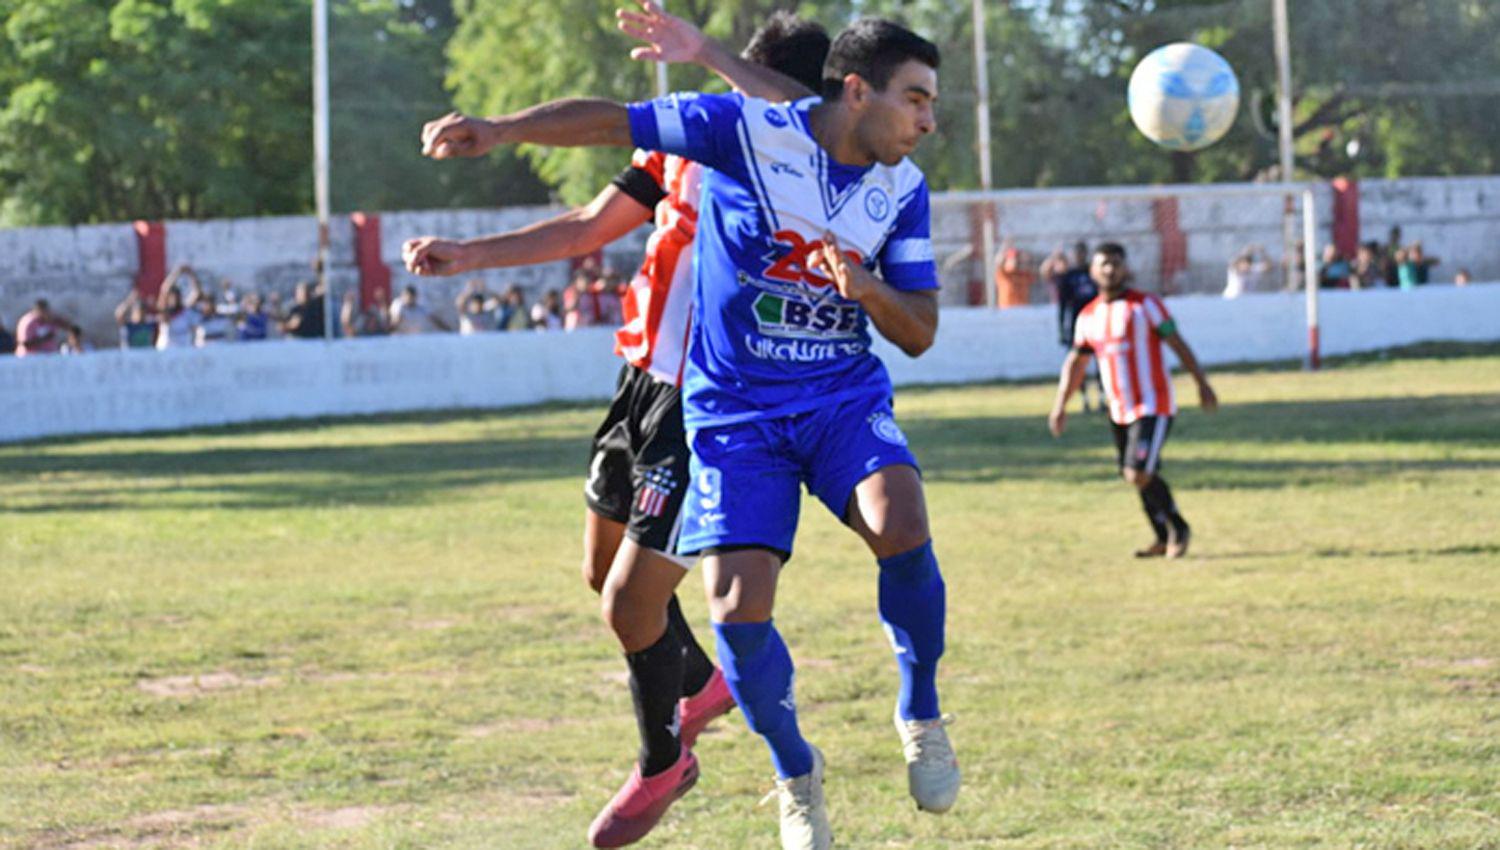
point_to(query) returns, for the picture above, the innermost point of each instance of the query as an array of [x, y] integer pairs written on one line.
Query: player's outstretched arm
[[580, 231], [1069, 379], [1206, 396], [908, 319], [569, 123], [671, 39]]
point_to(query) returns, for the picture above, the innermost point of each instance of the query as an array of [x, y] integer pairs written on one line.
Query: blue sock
[[913, 606], [758, 669]]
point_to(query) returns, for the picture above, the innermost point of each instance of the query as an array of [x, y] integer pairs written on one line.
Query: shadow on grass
[[974, 449]]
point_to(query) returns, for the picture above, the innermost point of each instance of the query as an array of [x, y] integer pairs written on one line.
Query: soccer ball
[[1183, 97]]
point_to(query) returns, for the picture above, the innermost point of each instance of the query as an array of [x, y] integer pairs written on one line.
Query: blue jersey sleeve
[[906, 259], [699, 127]]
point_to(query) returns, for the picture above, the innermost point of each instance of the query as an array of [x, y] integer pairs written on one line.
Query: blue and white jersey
[[770, 336]]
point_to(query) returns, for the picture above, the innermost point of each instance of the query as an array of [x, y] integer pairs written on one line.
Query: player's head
[[1108, 268], [792, 46], [886, 75]]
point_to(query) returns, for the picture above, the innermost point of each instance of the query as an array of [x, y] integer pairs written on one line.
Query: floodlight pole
[[982, 147], [1284, 135], [320, 154]]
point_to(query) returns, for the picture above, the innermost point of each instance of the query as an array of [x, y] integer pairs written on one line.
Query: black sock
[[1161, 496], [655, 687], [697, 669], [1153, 516]]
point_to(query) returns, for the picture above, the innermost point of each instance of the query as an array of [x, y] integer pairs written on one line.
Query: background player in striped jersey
[[639, 463], [1125, 329]]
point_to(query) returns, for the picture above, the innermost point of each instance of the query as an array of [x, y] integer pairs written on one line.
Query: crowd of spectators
[[1375, 265], [185, 314]]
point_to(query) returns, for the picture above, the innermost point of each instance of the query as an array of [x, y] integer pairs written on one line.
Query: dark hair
[[874, 48], [792, 46], [41, 304], [1110, 249]]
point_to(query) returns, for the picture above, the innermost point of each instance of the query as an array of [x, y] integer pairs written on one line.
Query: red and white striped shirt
[[1126, 334], [658, 304]]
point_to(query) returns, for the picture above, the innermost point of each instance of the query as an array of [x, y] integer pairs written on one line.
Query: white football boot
[[804, 812], [931, 767]]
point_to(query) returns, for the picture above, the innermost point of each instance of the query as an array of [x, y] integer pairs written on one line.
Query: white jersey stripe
[[669, 126], [909, 251]]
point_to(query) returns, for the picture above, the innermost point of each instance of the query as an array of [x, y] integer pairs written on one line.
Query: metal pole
[[320, 154], [661, 67], [1309, 258], [986, 172], [1284, 132]]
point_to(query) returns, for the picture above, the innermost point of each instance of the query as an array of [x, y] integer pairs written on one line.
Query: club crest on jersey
[[886, 429], [877, 203], [775, 118]]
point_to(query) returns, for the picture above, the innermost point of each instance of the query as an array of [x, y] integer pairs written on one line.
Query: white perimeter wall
[[125, 391]]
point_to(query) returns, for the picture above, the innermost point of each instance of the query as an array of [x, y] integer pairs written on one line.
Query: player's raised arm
[[671, 39], [569, 123], [574, 233]]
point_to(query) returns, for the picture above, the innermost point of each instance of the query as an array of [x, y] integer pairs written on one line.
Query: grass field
[[372, 634]]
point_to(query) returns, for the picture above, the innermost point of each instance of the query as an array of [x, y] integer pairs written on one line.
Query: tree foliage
[[118, 109]]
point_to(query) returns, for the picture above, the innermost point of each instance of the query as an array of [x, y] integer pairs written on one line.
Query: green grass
[[372, 634]]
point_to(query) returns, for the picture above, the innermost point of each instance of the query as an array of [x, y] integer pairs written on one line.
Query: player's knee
[[1139, 479], [900, 535]]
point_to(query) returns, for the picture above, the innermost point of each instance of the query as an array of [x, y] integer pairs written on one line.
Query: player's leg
[[601, 540], [868, 476], [639, 604], [741, 587], [1140, 460], [741, 514]]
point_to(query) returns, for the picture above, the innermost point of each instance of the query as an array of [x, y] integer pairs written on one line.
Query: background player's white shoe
[[804, 813], [931, 766]]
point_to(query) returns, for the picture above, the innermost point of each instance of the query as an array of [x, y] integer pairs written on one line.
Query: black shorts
[[1138, 445], [638, 467]]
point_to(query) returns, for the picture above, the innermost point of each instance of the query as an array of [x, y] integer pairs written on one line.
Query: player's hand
[[668, 38], [430, 256], [851, 279], [1207, 397], [1057, 420], [456, 134]]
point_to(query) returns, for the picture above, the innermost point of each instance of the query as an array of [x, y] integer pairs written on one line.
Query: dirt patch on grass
[[348, 817], [200, 684], [168, 830]]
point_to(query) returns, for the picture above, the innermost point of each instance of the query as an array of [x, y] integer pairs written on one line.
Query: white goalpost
[[1182, 239]]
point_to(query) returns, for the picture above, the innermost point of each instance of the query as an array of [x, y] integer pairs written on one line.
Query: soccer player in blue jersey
[[813, 224]]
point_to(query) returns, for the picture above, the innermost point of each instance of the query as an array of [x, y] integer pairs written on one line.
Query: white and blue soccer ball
[[1183, 97]]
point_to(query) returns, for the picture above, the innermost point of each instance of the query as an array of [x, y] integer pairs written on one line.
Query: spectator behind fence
[[305, 319], [7, 339], [40, 331], [355, 320], [1367, 271], [1413, 266], [512, 312], [137, 330], [580, 302], [1247, 272], [410, 317], [253, 324], [1075, 289], [214, 327], [74, 343], [546, 314], [1013, 276], [477, 309], [176, 324], [1333, 272], [612, 290]]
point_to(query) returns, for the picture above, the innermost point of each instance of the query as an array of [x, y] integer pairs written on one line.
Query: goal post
[[1220, 239]]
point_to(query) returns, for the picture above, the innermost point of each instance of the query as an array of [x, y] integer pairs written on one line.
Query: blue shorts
[[745, 477]]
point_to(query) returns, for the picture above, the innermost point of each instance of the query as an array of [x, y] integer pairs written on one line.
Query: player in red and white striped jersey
[[1125, 330], [638, 472]]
